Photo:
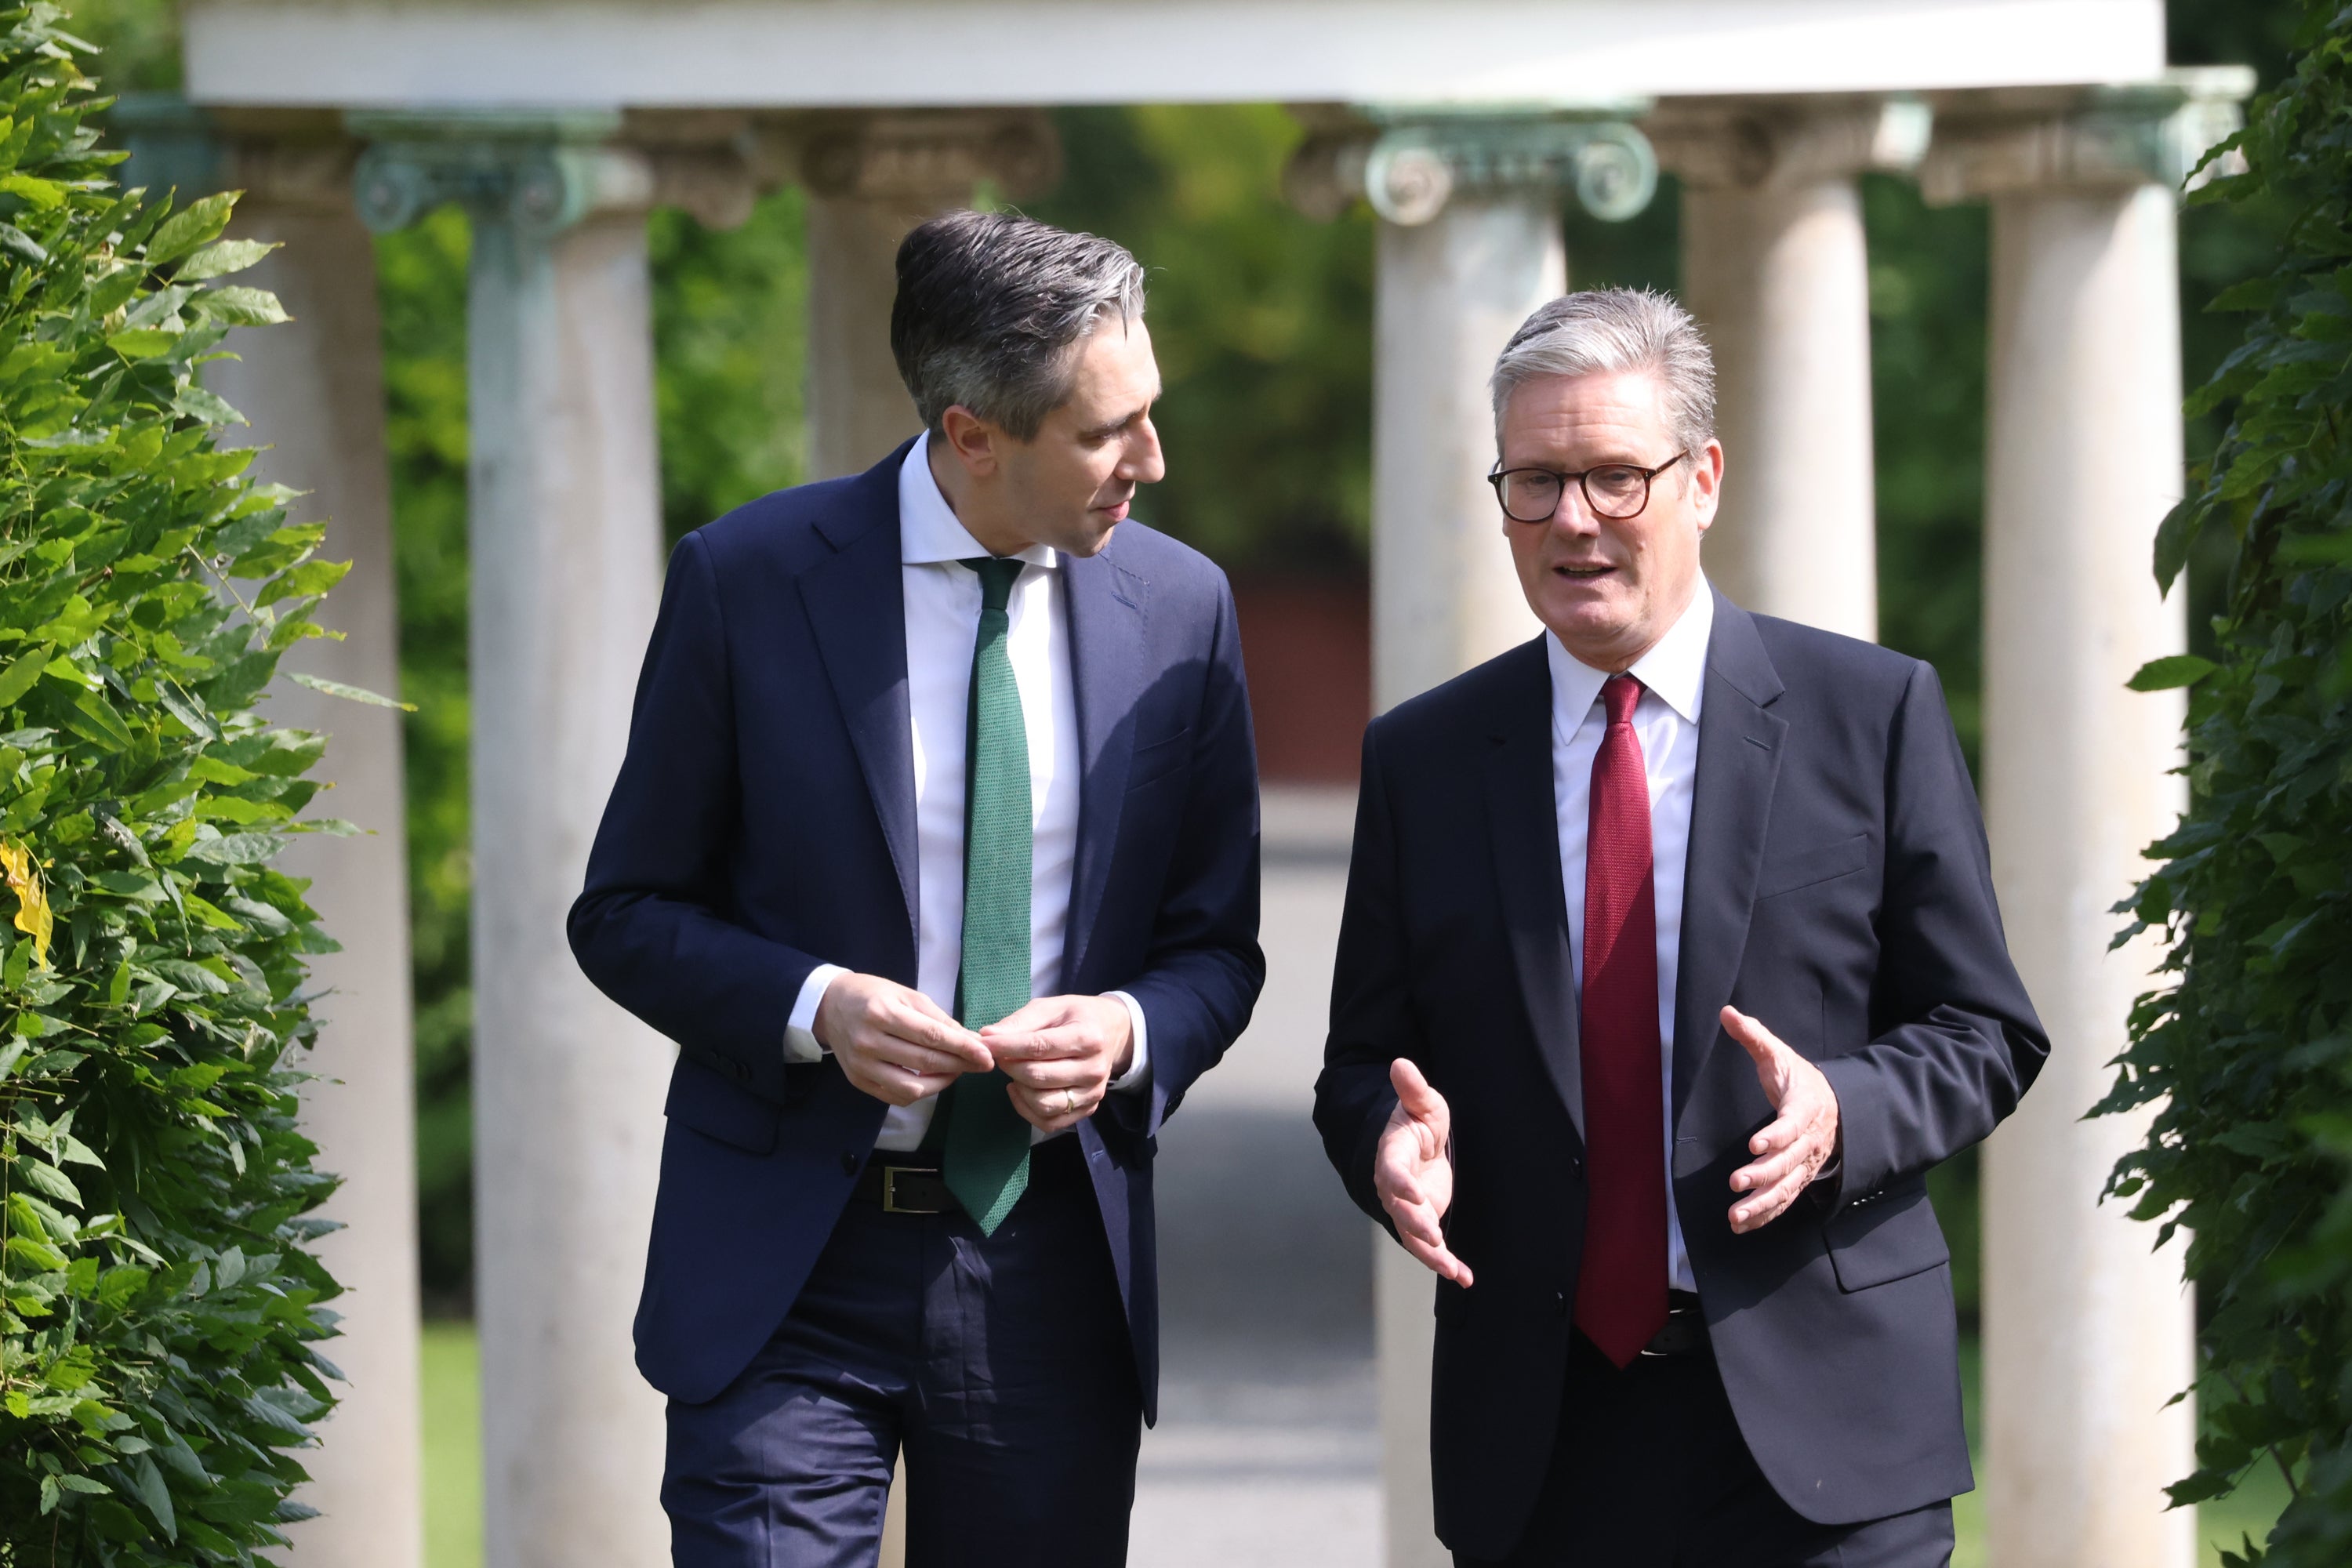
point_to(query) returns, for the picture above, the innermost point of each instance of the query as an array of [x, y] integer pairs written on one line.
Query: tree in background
[[159, 1309], [2248, 1053]]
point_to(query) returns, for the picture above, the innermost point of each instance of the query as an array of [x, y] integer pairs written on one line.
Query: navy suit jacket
[[764, 823], [1838, 888]]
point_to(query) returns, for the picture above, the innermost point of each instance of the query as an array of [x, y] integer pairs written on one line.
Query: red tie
[[1621, 1289]]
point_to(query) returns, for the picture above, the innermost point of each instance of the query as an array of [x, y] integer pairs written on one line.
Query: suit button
[[1560, 1302], [848, 1163]]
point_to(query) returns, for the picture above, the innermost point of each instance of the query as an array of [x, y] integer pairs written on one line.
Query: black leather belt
[[905, 1188], [1685, 1331]]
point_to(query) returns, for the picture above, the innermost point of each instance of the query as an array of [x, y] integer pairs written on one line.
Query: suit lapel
[[1523, 820], [857, 606], [1731, 802], [1108, 674]]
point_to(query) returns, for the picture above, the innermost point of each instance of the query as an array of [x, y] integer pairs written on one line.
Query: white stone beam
[[397, 54]]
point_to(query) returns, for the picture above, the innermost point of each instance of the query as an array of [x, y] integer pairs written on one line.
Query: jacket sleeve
[[652, 926], [1959, 1042], [1373, 1021], [1201, 976]]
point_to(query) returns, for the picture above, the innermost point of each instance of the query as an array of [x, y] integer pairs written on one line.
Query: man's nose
[[1145, 464]]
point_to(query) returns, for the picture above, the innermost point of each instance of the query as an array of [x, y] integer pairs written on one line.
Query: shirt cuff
[[1138, 1076], [800, 1038]]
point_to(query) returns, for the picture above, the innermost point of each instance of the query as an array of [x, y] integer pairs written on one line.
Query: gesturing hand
[[1793, 1147], [893, 1041], [1414, 1173], [1061, 1053]]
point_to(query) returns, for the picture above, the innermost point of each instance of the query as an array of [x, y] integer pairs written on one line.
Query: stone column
[[1775, 270], [1470, 244], [313, 390], [2088, 1331], [870, 178], [566, 567]]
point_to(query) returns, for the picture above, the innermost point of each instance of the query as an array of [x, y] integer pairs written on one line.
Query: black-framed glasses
[[1614, 490]]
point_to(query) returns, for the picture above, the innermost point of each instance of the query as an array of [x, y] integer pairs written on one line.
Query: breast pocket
[[1806, 868], [1155, 761]]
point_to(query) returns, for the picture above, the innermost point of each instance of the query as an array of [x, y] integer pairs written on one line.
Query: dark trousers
[[1650, 1471], [1001, 1364]]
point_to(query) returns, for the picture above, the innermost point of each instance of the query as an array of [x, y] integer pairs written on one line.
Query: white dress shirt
[[1674, 676], [943, 608]]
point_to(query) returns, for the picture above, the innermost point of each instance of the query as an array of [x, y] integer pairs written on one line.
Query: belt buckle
[[890, 1204]]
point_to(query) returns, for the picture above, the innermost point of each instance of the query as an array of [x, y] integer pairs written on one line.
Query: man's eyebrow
[[1113, 426]]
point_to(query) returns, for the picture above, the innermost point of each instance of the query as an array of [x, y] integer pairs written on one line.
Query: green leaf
[[94, 718], [351, 693], [2175, 671], [144, 343], [219, 260], [147, 1483], [197, 224], [241, 307], [22, 671]]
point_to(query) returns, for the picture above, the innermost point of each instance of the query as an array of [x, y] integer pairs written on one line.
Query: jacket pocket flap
[[1786, 873], [1876, 1241], [703, 1101]]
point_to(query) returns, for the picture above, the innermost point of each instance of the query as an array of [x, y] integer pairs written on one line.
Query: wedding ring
[[1069, 1100]]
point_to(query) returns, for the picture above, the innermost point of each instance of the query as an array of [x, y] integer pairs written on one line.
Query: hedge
[[2247, 1051], [159, 1313]]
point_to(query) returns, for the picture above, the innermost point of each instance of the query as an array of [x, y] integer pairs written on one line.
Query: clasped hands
[[1412, 1170], [894, 1044]]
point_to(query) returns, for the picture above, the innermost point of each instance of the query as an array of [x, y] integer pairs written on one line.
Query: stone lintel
[[1997, 144], [1781, 143], [1409, 162]]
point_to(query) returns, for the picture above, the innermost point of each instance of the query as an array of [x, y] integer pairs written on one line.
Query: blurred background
[[1263, 323]]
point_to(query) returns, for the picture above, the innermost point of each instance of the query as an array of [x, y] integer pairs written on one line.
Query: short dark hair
[[992, 308]]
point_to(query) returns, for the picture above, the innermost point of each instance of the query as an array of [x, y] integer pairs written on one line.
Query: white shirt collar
[[927, 530], [1675, 668]]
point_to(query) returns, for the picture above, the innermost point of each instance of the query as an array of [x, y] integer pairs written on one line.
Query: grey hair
[[992, 308], [1606, 330]]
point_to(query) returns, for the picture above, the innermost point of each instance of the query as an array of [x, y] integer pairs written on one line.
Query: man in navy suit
[[936, 853], [1669, 966]]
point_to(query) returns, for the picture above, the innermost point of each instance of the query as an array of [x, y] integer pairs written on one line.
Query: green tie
[[986, 1159]]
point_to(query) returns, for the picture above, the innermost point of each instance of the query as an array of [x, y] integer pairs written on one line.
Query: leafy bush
[[2249, 1054], [158, 1312]]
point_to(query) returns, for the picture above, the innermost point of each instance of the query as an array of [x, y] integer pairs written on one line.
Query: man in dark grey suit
[[1670, 964]]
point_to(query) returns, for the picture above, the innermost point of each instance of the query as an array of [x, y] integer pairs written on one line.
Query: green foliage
[[158, 1307], [2247, 1055]]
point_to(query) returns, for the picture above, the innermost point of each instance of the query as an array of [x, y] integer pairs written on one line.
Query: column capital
[[539, 173], [1779, 143], [1408, 162], [2114, 138], [921, 161]]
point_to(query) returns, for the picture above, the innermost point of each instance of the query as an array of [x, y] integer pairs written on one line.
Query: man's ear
[[974, 440], [1707, 482]]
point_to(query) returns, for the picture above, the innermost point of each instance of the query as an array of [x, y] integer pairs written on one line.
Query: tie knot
[[997, 575], [1621, 693]]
